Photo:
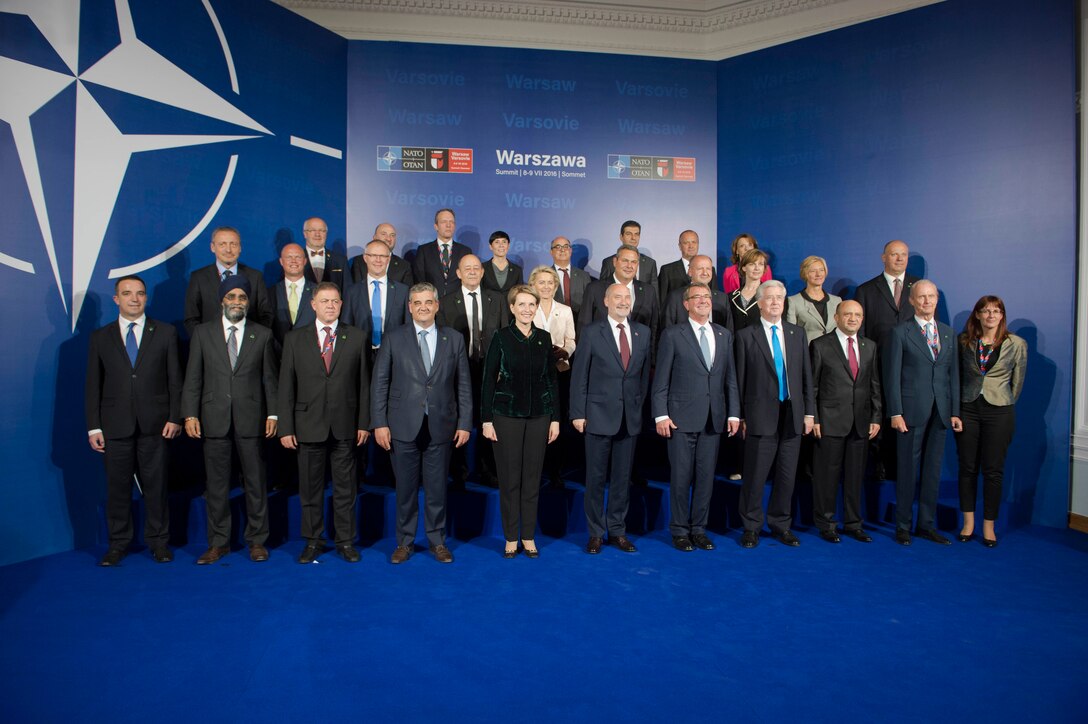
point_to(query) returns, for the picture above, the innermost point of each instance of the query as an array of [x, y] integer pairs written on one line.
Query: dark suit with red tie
[[131, 405], [845, 407], [323, 409]]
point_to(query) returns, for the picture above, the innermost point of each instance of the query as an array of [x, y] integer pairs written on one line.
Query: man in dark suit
[[476, 314], [846, 380], [777, 408], [922, 388], [399, 270], [291, 295], [375, 304], [695, 391], [645, 308], [324, 409], [322, 265], [422, 403], [884, 298], [229, 399], [436, 261], [677, 274], [202, 303], [609, 382], [133, 405], [572, 280], [646, 271], [701, 270]]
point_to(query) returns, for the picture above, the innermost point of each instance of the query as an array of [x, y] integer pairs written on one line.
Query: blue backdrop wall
[[133, 129], [951, 127]]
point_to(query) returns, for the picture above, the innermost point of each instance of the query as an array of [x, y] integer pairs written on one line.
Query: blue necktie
[[376, 316], [226, 273], [779, 365], [130, 344]]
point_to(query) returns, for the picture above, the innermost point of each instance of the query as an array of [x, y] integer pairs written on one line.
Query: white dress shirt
[[241, 327], [846, 348], [781, 341], [317, 262], [432, 338], [936, 332], [479, 292], [890, 280], [321, 332], [383, 293]]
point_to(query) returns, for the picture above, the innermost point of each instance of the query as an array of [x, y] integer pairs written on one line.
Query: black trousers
[[983, 444], [519, 458], [835, 457], [311, 489], [146, 457], [217, 477], [692, 458], [608, 463], [761, 452], [417, 462]]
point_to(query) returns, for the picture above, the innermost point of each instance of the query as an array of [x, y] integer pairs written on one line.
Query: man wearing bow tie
[[202, 300], [322, 265], [229, 400], [922, 388]]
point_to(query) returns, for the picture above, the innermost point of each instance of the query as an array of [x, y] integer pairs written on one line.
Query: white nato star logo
[[389, 158], [618, 165], [102, 150]]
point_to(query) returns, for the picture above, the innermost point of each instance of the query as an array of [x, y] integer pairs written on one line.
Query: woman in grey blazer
[[812, 307], [992, 366]]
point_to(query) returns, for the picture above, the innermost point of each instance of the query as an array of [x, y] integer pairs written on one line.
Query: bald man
[[399, 270], [291, 295]]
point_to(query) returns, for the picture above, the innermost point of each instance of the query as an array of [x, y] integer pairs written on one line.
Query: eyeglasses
[[560, 247], [317, 231]]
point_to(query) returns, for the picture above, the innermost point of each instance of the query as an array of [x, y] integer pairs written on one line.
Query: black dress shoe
[[701, 541], [989, 542], [787, 538], [113, 557], [682, 543], [531, 553], [163, 555], [964, 538], [830, 536], [348, 553], [623, 544], [750, 539], [593, 547], [310, 553], [934, 536], [510, 553], [902, 537], [859, 535]]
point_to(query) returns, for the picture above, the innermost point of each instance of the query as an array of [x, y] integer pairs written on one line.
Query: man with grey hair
[[777, 408]]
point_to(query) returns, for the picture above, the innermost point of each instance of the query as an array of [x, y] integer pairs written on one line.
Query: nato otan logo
[[425, 159], [77, 214], [651, 168]]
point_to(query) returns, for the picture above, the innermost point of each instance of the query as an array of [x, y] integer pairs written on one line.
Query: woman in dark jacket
[[519, 408], [992, 366], [500, 274]]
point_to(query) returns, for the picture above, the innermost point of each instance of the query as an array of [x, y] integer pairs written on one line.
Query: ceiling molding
[[674, 28]]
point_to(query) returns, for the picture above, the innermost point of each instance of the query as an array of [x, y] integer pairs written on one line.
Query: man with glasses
[[572, 280], [399, 270], [322, 265]]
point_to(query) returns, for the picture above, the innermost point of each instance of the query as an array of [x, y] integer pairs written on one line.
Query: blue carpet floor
[[823, 633]]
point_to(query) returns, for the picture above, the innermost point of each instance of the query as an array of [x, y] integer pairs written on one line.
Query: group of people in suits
[[419, 355]]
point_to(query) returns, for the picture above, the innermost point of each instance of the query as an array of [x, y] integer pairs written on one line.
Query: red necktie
[[625, 348], [326, 349], [566, 287], [852, 357]]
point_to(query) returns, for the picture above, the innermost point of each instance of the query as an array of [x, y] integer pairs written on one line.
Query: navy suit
[[398, 271], [773, 428], [203, 303], [926, 392], [845, 407], [356, 309], [698, 399], [609, 398], [422, 412], [674, 312], [645, 310], [131, 405], [427, 266], [281, 311], [336, 269]]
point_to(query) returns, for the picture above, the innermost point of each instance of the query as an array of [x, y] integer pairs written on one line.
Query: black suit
[[281, 310], [647, 269], [698, 399], [232, 406], [774, 428], [579, 280], [131, 405], [323, 410], [881, 314], [490, 281], [336, 269], [674, 312], [423, 411], [356, 309], [427, 266], [674, 275], [645, 310], [845, 407], [203, 304], [398, 271]]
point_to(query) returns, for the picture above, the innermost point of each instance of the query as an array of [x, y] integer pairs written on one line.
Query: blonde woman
[[812, 307]]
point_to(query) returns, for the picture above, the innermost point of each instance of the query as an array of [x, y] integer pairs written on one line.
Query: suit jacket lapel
[[149, 332], [689, 335], [886, 292], [610, 342], [765, 346], [919, 339], [439, 352], [840, 355]]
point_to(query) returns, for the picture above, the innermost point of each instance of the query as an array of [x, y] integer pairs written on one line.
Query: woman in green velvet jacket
[[519, 408]]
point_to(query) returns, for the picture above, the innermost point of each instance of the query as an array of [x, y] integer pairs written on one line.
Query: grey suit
[[802, 312], [1003, 382]]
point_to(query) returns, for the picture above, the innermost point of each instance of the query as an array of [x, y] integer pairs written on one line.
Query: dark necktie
[[898, 291], [625, 347], [445, 259], [232, 347], [326, 349], [130, 343], [566, 287], [225, 274], [476, 343], [852, 357]]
